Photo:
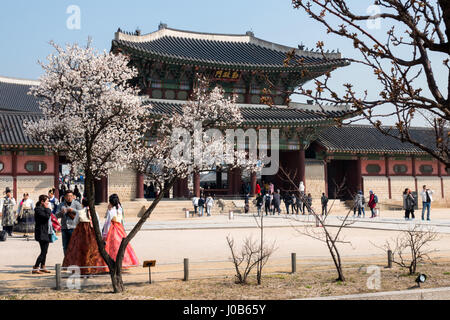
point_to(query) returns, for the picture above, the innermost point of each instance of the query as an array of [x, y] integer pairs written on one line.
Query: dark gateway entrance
[[342, 179]]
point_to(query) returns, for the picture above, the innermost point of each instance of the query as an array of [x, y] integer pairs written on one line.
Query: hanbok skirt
[[83, 251], [25, 222], [113, 240]]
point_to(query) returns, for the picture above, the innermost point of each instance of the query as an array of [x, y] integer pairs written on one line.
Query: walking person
[[372, 203], [360, 202], [409, 203], [247, 203], [195, 204], [276, 202], [201, 206], [259, 203], [42, 232], [427, 198], [77, 193], [25, 215], [309, 203], [267, 203], [8, 215], [271, 188], [209, 205], [298, 204], [324, 201], [67, 211], [288, 203]]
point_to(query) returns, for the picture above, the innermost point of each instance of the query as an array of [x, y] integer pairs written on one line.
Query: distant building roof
[[221, 50], [14, 97], [12, 132], [367, 139]]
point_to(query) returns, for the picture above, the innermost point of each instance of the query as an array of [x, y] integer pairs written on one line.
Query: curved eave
[[176, 60]]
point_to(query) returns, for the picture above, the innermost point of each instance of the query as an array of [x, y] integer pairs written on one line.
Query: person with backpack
[[359, 205], [372, 203], [195, 204], [276, 202], [209, 204]]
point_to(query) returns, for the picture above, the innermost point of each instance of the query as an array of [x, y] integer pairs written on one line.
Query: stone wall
[[315, 178], [433, 183], [123, 183], [446, 181], [34, 186], [379, 185], [399, 184], [5, 181]]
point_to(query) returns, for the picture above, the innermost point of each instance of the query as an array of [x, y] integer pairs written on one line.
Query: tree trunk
[[116, 279]]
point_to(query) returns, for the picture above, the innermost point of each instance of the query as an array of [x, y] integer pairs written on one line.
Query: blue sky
[[26, 27]]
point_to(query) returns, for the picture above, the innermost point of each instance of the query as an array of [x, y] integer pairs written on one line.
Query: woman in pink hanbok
[[114, 232]]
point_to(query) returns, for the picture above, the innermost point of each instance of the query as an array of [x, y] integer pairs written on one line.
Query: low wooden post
[[186, 269], [231, 215], [389, 258], [294, 262], [58, 276]]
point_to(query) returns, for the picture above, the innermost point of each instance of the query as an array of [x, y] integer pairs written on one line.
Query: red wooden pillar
[[440, 177], [140, 186], [14, 174], [359, 174], [56, 175], [413, 163], [301, 165], [230, 182], [183, 188], [386, 159], [253, 184], [237, 181], [197, 184]]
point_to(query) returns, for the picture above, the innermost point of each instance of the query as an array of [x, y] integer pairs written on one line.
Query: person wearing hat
[[8, 216]]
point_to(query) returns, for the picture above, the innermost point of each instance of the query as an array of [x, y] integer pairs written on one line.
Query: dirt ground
[[314, 282]]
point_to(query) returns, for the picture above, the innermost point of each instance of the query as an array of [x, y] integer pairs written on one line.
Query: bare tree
[[414, 50], [319, 230], [251, 255], [411, 247]]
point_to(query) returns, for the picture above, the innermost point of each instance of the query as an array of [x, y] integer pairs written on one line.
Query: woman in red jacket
[[372, 204]]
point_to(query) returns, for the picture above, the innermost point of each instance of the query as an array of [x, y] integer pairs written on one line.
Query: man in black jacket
[[324, 201], [276, 202]]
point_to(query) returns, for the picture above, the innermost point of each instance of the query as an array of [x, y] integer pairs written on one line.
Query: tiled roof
[[367, 139], [14, 97], [243, 51], [12, 131], [256, 114]]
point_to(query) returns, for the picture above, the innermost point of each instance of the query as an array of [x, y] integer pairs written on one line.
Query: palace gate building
[[322, 155]]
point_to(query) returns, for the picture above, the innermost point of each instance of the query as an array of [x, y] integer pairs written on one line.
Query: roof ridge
[[18, 81], [220, 37]]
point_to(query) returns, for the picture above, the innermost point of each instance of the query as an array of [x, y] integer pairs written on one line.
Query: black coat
[[41, 217]]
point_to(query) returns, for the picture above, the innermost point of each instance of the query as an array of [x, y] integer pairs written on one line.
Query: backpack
[[267, 201], [3, 235], [375, 198]]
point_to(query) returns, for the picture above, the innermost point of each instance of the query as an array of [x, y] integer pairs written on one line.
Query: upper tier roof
[[220, 50], [14, 97]]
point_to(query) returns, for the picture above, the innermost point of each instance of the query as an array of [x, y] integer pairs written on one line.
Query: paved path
[[282, 221]]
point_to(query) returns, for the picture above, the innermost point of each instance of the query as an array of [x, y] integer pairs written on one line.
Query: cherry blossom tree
[[93, 115], [406, 61]]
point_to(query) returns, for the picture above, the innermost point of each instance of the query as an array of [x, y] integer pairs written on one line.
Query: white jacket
[[424, 195]]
